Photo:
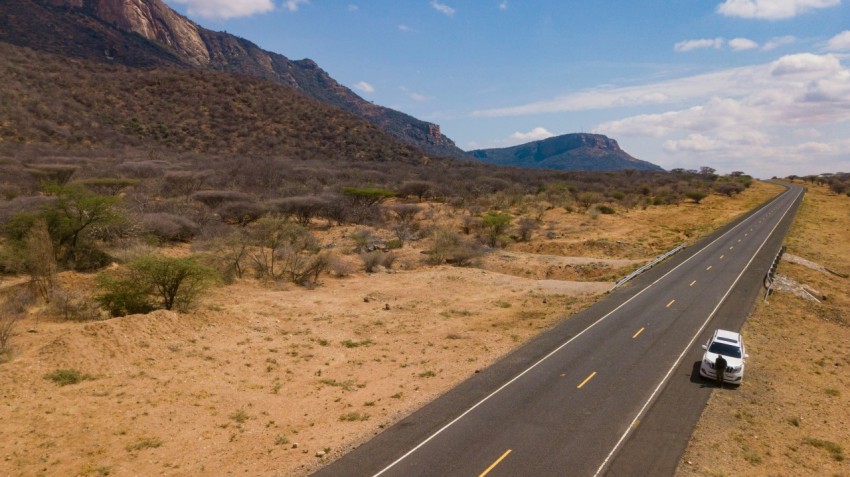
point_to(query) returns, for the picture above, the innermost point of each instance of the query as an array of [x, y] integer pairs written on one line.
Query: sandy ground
[[790, 415], [274, 380]]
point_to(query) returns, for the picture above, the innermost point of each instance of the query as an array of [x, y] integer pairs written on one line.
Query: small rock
[[294, 445], [321, 453], [386, 306]]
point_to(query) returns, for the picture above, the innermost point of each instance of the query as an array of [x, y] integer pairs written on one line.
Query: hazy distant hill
[[573, 152], [146, 33]]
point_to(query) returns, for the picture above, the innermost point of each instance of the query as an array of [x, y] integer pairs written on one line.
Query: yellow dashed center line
[[494, 464], [671, 303], [586, 380], [692, 283], [731, 247], [638, 332], [709, 268], [721, 257]]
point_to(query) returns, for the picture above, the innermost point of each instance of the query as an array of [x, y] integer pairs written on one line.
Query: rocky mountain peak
[[192, 45], [150, 19]]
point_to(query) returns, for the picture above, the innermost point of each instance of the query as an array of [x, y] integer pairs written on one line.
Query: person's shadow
[[697, 379]]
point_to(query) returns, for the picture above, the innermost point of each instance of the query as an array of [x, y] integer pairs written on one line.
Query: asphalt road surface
[[614, 390]]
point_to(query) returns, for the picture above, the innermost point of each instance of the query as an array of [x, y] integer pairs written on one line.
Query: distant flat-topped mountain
[[147, 33], [571, 152]]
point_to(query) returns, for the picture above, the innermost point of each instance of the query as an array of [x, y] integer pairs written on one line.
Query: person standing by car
[[720, 369]]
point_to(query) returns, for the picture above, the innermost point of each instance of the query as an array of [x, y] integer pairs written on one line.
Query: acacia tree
[[75, 211], [70, 214], [152, 282], [495, 224], [696, 196]]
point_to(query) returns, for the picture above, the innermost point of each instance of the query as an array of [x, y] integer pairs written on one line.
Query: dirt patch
[[789, 416], [278, 379]]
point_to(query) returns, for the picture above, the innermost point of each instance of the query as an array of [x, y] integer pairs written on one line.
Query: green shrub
[[605, 209], [152, 282], [64, 377]]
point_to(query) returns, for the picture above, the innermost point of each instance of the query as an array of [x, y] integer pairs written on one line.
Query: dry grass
[[789, 417], [263, 378]]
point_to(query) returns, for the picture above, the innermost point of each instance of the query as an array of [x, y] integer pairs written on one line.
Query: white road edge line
[[486, 398], [691, 343]]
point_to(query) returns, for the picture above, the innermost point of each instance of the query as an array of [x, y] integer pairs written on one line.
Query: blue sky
[[761, 86]]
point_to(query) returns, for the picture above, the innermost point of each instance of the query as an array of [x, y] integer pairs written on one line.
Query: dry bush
[[449, 247], [13, 306], [227, 253], [372, 260], [215, 198], [339, 266], [525, 226], [241, 213], [302, 208], [74, 306], [168, 227], [39, 259], [284, 250], [141, 169]]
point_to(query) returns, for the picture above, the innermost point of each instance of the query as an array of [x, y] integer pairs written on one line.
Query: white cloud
[[418, 97], [365, 87], [503, 5], [293, 5], [771, 9], [840, 42], [808, 133], [775, 43], [353, 8], [690, 45], [753, 116], [443, 8], [805, 64], [739, 44], [406, 28], [665, 92], [535, 134], [224, 9]]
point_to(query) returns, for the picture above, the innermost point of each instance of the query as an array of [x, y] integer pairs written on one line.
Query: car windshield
[[725, 349]]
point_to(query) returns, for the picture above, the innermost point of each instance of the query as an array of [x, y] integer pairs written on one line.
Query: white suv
[[731, 346]]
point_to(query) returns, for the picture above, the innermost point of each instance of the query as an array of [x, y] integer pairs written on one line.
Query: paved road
[[610, 391]]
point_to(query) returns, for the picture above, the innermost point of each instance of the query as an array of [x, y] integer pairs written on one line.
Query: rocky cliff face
[[195, 46]]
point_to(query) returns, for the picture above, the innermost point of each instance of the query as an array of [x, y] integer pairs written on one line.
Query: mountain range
[[148, 35], [580, 151]]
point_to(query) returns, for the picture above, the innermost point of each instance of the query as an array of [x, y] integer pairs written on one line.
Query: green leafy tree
[[696, 196], [152, 282], [365, 196], [495, 225], [73, 213]]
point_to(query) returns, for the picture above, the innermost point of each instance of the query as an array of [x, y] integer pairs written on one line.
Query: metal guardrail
[[771, 272], [648, 266]]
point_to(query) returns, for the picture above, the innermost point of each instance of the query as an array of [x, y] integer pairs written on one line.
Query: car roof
[[727, 336]]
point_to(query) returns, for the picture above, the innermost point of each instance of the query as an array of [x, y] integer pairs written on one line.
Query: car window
[[725, 349]]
